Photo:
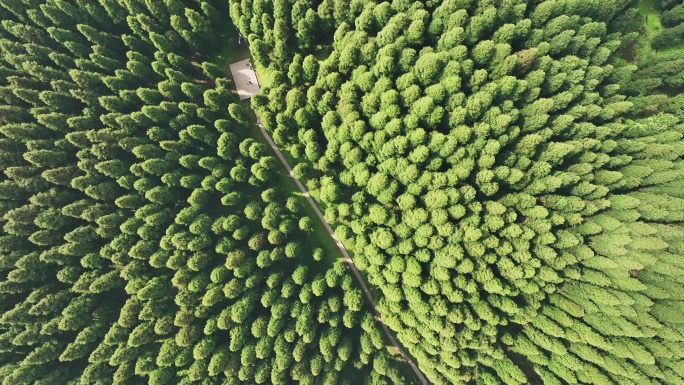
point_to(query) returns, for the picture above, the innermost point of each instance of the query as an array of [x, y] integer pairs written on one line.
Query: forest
[[146, 235], [507, 175]]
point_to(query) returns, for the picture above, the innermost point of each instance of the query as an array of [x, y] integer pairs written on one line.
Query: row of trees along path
[[349, 263], [346, 259]]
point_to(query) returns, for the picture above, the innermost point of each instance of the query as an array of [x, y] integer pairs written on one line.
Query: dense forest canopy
[[658, 52], [507, 175], [476, 157], [147, 236]]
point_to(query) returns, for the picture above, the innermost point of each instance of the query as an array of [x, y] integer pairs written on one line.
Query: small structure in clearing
[[245, 79]]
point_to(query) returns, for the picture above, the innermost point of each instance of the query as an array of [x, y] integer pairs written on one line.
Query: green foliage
[[476, 159], [147, 236]]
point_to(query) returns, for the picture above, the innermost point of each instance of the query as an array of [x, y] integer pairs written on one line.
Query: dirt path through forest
[[349, 263], [346, 258]]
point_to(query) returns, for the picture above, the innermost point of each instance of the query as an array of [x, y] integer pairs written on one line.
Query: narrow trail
[[346, 258]]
